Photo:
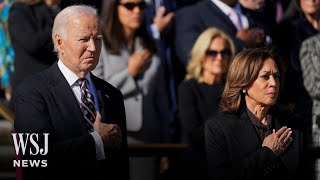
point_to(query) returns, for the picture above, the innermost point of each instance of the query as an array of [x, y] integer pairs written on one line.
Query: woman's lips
[[272, 94]]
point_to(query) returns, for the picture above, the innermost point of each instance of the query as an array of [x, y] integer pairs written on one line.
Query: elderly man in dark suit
[[84, 115]]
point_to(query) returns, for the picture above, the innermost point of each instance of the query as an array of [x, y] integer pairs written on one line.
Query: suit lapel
[[69, 111], [216, 13], [104, 105], [104, 100]]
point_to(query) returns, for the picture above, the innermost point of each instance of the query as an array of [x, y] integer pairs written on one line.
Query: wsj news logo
[[21, 141]]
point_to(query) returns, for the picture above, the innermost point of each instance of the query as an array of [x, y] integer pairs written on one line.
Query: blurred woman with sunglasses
[[199, 95], [128, 61]]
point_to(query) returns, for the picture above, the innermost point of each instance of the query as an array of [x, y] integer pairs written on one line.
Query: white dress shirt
[[72, 79], [230, 12]]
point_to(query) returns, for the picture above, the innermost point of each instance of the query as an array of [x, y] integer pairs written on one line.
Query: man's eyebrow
[[82, 35]]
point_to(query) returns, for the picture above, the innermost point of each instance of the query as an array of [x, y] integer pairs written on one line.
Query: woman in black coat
[[301, 21], [30, 24], [250, 139], [200, 94]]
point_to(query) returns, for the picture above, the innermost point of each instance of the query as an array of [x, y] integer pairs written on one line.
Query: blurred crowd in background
[[170, 58]]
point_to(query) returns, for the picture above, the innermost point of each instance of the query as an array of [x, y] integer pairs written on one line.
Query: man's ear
[[58, 42]]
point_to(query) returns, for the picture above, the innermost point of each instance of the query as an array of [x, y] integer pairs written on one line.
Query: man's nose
[[91, 46]]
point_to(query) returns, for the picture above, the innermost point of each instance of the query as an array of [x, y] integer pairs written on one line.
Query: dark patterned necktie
[[87, 103]]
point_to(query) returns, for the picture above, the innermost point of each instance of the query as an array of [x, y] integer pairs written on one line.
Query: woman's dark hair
[[113, 32], [293, 11], [244, 70], [30, 2]]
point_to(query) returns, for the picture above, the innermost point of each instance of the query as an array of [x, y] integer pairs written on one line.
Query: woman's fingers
[[281, 131], [286, 134], [288, 139]]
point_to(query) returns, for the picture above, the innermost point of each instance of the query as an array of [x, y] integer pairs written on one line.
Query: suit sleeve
[[32, 116], [186, 31], [310, 65], [192, 126], [294, 48], [220, 163], [162, 101]]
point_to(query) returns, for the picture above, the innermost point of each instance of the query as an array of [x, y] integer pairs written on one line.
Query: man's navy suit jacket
[[191, 21], [45, 103]]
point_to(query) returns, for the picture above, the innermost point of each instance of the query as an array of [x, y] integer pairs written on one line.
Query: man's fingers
[[97, 121], [161, 11], [98, 117], [169, 16], [116, 129], [116, 136]]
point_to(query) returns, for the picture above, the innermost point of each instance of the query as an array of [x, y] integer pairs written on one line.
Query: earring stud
[[244, 91]]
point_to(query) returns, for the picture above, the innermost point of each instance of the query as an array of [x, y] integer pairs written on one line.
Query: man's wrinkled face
[[80, 48]]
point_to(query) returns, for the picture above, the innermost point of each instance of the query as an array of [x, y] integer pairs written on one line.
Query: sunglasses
[[131, 5], [226, 53]]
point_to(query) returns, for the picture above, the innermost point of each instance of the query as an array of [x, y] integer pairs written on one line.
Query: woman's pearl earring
[[244, 91]]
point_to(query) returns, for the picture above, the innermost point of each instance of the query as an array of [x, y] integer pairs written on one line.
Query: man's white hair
[[66, 15]]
